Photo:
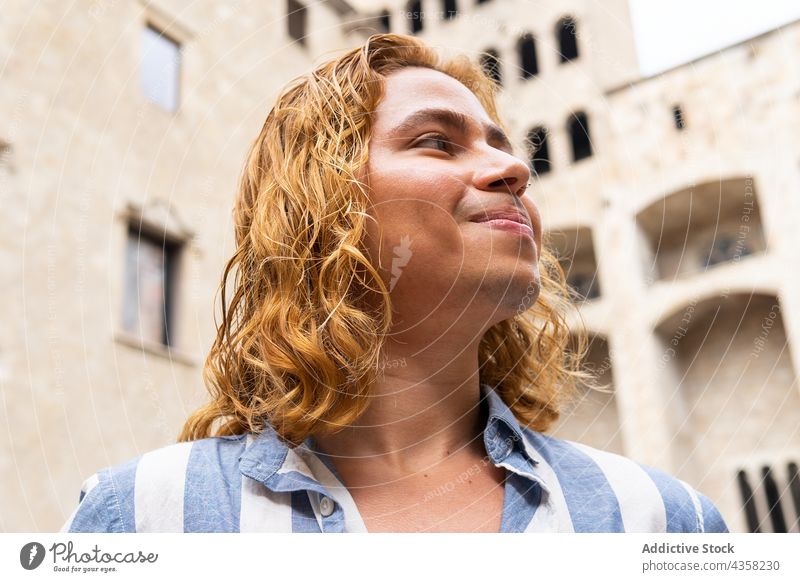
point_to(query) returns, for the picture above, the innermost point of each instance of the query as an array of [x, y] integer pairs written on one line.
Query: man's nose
[[505, 173]]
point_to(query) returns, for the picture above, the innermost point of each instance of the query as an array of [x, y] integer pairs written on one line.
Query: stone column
[[776, 187], [645, 410]]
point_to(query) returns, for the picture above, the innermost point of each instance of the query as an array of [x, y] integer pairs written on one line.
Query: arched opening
[[386, 22], [296, 20], [414, 10], [538, 150], [592, 418], [526, 47], [490, 61], [574, 249], [697, 228], [732, 394], [450, 9], [578, 129], [567, 34]]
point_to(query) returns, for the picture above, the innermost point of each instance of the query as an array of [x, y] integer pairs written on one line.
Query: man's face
[[429, 182]]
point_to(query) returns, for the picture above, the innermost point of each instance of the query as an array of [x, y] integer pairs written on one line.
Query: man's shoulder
[[571, 456], [640, 497], [174, 461], [163, 489]]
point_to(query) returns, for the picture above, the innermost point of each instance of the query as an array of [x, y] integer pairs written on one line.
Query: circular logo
[[31, 555]]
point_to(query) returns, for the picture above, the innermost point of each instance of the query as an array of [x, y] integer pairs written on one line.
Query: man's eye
[[437, 139]]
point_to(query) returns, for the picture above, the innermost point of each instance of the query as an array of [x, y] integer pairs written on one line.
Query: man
[[395, 345]]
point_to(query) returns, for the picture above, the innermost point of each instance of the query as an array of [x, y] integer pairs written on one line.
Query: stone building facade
[[670, 200]]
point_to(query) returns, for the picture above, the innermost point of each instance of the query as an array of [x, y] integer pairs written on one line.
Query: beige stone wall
[[85, 151], [740, 108], [593, 417], [84, 145]]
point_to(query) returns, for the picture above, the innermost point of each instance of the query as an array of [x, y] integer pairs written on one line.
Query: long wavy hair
[[299, 346]]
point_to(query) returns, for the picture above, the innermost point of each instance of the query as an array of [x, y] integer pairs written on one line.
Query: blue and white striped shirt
[[256, 483]]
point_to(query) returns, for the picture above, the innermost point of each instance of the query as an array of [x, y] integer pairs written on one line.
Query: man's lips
[[511, 214], [510, 226], [510, 219]]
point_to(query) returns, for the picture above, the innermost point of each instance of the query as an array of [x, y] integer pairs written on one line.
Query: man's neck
[[421, 412]]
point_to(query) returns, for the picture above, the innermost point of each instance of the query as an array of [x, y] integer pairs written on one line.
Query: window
[[574, 249], [583, 286], [527, 57], [701, 225], [539, 153], [5, 154], [296, 20], [491, 65], [727, 247], [450, 9], [771, 497], [415, 16], [160, 72], [566, 31], [386, 23], [578, 128], [677, 116], [5, 166], [794, 489], [748, 502], [150, 266]]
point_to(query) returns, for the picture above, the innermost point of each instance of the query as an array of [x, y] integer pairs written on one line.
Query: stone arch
[[574, 248], [698, 227], [593, 418], [567, 36], [732, 392]]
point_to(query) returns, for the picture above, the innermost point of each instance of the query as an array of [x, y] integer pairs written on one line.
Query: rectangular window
[[5, 154], [677, 117], [771, 497], [296, 19], [150, 264], [160, 69], [5, 169]]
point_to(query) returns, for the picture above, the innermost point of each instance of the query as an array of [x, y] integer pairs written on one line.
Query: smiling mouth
[[509, 226]]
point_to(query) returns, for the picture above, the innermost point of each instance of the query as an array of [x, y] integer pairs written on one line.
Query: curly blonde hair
[[299, 346]]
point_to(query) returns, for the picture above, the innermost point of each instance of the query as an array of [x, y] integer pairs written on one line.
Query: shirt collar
[[503, 435], [268, 454]]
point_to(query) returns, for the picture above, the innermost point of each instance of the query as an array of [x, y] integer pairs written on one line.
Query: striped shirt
[[256, 483]]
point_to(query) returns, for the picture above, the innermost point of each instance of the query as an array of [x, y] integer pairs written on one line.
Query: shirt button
[[326, 506]]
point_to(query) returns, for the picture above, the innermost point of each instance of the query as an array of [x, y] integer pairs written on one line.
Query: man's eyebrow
[[453, 119]]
